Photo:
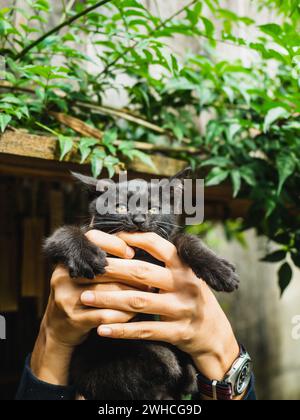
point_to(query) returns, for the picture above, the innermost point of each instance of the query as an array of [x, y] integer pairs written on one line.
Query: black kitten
[[110, 369]]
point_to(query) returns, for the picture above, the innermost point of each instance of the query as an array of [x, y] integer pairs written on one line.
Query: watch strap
[[216, 390]]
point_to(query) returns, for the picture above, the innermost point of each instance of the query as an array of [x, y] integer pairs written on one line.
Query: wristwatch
[[235, 381]]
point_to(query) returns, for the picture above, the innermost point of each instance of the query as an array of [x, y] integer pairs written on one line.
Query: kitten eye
[[154, 210], [122, 209]]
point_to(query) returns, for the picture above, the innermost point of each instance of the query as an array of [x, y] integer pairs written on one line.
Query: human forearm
[[50, 359]]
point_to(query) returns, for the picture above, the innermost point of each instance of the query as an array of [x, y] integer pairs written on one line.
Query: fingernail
[[88, 297], [104, 331], [129, 252]]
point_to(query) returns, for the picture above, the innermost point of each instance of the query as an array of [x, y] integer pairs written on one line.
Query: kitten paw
[[89, 263], [222, 278]]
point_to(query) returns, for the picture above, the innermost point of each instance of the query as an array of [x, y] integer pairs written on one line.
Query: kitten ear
[[88, 181], [177, 181], [95, 186], [181, 174]]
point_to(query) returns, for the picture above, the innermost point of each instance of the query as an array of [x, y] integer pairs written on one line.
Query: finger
[[118, 285], [110, 243], [157, 246], [140, 272], [148, 330], [106, 283], [92, 318], [126, 284], [133, 301]]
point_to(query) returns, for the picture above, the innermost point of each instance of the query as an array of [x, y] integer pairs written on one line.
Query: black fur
[[104, 368]]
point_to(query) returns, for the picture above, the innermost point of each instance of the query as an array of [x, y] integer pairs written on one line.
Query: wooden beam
[[29, 155], [21, 144]]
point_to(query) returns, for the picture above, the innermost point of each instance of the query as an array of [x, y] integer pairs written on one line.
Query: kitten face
[[131, 215]]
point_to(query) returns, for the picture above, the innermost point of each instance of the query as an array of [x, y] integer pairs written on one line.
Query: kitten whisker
[[170, 224], [163, 232], [118, 229]]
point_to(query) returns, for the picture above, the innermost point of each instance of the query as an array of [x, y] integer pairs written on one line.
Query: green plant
[[252, 138]]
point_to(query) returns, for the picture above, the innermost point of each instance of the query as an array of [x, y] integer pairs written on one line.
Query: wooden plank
[[23, 154], [18, 143], [23, 144], [8, 251], [33, 276], [56, 204]]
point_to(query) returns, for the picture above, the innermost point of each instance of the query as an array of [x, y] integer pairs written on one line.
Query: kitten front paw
[[222, 277], [88, 263]]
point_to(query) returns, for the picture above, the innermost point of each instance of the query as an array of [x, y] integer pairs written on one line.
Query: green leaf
[[216, 176], [209, 26], [233, 129], [273, 115], [271, 29], [286, 165], [10, 99], [65, 145], [144, 158], [85, 145], [285, 275], [193, 14], [97, 161], [110, 163], [4, 121], [248, 175], [109, 137], [275, 256], [236, 181], [132, 3], [216, 161], [270, 206], [296, 258]]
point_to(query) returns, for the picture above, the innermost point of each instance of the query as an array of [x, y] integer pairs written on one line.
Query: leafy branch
[[136, 43], [57, 28]]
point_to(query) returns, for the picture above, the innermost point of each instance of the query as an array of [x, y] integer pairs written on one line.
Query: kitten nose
[[138, 219]]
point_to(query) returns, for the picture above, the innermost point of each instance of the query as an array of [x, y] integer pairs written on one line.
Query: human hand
[[67, 321], [190, 316]]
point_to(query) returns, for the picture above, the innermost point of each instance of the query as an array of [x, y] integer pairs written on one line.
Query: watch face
[[243, 378]]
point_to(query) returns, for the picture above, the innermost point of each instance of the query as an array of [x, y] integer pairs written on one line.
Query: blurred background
[[152, 86]]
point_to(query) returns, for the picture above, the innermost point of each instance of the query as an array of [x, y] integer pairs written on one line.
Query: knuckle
[[193, 288], [186, 311], [144, 334], [137, 302], [141, 271], [104, 319], [186, 335], [102, 300], [59, 275], [151, 238], [171, 256], [62, 303], [120, 332]]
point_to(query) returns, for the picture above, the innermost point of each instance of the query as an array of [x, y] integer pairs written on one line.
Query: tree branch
[[57, 28], [84, 129], [161, 25]]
